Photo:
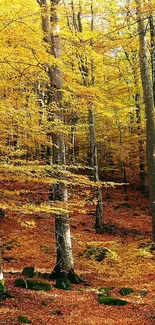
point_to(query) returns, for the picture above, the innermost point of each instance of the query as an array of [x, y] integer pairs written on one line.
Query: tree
[[1, 273], [64, 267], [86, 69], [149, 107]]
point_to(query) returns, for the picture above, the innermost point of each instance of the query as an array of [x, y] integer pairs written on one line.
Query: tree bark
[[149, 109]]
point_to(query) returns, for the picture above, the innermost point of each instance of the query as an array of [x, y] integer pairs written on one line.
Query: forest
[[77, 162]]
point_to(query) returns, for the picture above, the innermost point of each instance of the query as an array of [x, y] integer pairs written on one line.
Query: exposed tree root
[[69, 274]]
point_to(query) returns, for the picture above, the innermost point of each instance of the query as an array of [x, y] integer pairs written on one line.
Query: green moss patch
[[28, 271], [63, 283], [23, 319], [96, 253], [56, 312], [104, 291], [111, 301], [32, 284], [125, 291]]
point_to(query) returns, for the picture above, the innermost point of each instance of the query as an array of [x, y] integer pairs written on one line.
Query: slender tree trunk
[[140, 144], [64, 263], [1, 272], [74, 119], [152, 41], [85, 71], [94, 176], [149, 109]]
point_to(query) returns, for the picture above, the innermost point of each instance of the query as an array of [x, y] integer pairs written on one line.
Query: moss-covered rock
[[97, 253], [104, 291], [63, 283], [125, 291], [28, 271], [56, 312], [111, 301], [23, 319], [32, 284]]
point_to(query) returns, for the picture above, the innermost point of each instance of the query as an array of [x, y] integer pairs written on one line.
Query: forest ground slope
[[29, 240]]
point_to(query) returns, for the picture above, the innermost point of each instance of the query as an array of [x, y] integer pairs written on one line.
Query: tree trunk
[[140, 144], [149, 109], [152, 41], [1, 272], [93, 164], [64, 262]]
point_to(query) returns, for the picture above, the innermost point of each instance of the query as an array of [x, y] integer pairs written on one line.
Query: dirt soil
[[29, 240]]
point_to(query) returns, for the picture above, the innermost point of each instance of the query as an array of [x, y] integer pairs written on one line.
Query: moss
[[28, 271], [32, 284], [111, 301], [96, 253], [63, 283], [125, 291], [56, 312], [104, 291], [2, 282], [44, 303], [23, 319]]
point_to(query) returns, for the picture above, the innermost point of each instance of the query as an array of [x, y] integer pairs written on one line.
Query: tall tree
[[149, 107], [86, 68], [1, 272], [64, 267], [152, 43]]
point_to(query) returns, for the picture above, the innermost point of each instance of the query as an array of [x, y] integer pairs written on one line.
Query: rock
[[111, 301], [142, 293], [8, 259], [148, 247], [63, 283], [32, 284], [23, 319], [104, 291], [28, 271], [97, 253], [125, 291], [56, 312]]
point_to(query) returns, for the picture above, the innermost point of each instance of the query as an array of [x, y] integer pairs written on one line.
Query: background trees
[[50, 102]]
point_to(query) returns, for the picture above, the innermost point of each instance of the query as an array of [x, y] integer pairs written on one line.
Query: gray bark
[[149, 109]]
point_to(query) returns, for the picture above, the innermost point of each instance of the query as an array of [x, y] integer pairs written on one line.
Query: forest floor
[[30, 241]]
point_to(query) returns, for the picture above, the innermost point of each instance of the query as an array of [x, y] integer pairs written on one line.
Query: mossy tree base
[[58, 273], [4, 293]]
